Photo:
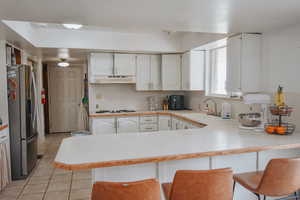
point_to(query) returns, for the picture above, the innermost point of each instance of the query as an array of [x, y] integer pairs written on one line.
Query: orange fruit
[[281, 130], [270, 129]]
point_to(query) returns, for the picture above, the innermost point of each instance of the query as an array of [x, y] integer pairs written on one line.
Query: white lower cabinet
[[177, 124], [127, 125], [165, 123], [5, 175], [104, 126], [148, 123], [148, 119], [148, 127]]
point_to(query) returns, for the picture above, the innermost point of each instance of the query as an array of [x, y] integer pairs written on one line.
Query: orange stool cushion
[[249, 180], [139, 190]]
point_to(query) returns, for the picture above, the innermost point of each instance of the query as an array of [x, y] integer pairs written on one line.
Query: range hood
[[113, 79]]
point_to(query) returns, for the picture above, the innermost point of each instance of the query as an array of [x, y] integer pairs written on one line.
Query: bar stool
[[200, 185], [144, 190], [280, 178]]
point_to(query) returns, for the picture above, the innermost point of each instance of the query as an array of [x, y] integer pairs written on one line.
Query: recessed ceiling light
[[73, 26], [63, 63]]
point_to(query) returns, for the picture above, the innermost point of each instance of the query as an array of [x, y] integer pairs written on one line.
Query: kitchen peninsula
[[134, 156]]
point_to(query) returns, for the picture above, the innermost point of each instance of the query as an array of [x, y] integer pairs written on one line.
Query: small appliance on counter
[[252, 120], [226, 111], [176, 102]]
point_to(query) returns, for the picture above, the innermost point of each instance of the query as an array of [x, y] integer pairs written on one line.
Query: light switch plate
[[98, 96]]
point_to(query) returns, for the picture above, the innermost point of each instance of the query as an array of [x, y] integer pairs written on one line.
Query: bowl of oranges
[[280, 129]]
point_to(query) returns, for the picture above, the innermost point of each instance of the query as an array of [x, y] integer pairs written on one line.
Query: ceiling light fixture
[[63, 63], [73, 26]]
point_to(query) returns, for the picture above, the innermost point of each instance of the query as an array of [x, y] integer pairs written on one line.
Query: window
[[217, 69]]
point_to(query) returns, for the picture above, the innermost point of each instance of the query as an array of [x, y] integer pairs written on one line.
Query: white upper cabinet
[[125, 64], [155, 72], [101, 64], [243, 64], [143, 72], [193, 70], [148, 72], [171, 72]]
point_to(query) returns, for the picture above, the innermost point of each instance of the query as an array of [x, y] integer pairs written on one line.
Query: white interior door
[[65, 93]]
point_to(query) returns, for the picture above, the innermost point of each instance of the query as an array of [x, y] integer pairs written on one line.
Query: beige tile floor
[[48, 183]]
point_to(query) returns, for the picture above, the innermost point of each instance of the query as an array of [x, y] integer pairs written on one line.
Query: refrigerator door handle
[[35, 98]]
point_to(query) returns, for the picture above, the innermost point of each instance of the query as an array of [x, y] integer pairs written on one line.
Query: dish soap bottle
[[279, 97]]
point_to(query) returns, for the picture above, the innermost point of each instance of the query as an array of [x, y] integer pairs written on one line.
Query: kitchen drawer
[[148, 127], [148, 119]]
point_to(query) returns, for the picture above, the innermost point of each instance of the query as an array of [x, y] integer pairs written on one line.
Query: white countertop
[[218, 136]]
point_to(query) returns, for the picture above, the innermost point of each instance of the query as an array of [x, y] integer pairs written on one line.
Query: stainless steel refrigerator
[[22, 120]]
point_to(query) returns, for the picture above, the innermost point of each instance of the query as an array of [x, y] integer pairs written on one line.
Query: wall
[[121, 96], [281, 65], [3, 84], [90, 38], [97, 39], [193, 40]]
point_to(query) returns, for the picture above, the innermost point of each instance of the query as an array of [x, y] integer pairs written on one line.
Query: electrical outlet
[[98, 96]]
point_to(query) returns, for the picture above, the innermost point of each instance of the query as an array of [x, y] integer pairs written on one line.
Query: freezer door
[[14, 105], [29, 155]]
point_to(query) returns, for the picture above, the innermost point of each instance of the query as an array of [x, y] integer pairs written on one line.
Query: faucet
[[215, 113]]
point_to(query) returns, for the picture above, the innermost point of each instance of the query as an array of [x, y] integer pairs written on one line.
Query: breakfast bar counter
[[219, 137], [134, 156]]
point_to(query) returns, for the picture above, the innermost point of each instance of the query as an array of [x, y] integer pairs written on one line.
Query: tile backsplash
[[122, 96], [194, 100]]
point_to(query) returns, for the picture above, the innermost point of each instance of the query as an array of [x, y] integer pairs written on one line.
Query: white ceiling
[[215, 16]]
